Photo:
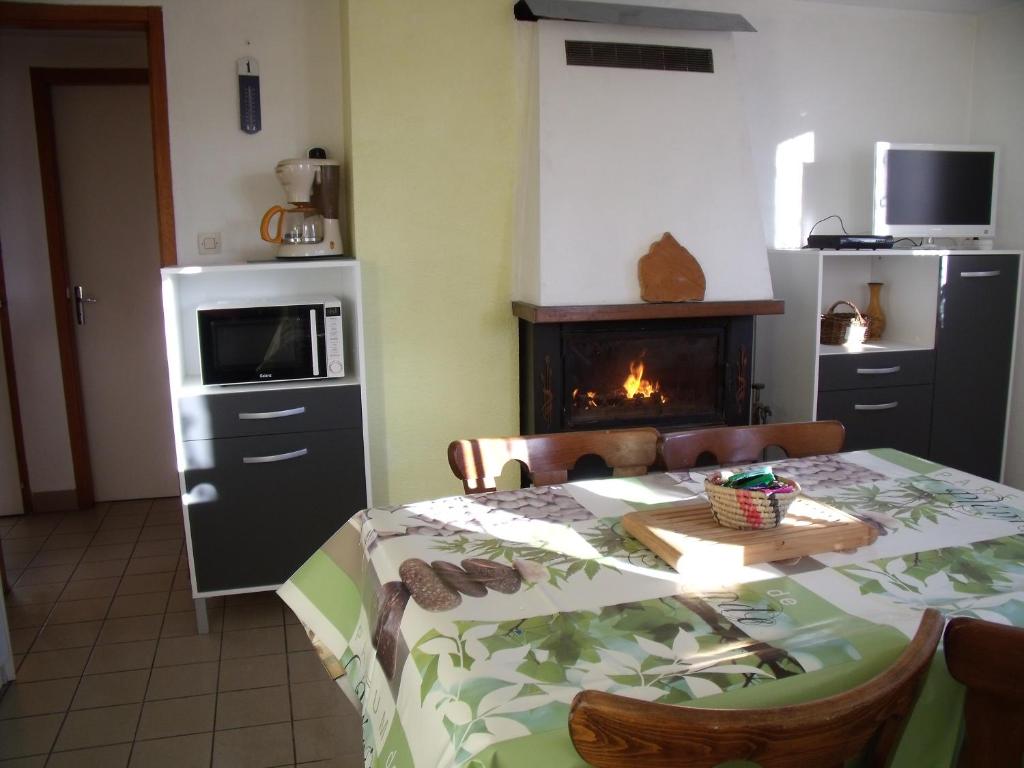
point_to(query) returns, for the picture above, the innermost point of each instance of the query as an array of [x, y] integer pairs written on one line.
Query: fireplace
[[657, 373], [670, 366]]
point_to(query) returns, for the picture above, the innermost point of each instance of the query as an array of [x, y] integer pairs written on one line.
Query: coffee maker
[[310, 226]]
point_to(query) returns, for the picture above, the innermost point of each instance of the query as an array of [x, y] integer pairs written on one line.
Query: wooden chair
[[611, 731], [741, 445], [988, 658], [547, 459]]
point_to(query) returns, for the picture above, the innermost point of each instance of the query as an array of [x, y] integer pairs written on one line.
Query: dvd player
[[848, 242]]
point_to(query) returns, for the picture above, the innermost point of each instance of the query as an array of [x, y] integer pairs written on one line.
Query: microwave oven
[[267, 340]]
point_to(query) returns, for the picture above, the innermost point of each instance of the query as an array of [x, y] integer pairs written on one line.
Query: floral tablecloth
[[463, 627]]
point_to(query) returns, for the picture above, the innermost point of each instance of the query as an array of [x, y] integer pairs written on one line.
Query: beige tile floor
[[112, 673]]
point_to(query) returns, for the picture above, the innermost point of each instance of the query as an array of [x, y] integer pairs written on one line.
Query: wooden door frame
[[40, 16], [12, 394]]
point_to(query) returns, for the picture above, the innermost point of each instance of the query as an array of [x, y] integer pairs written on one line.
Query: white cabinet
[[886, 392], [268, 472]]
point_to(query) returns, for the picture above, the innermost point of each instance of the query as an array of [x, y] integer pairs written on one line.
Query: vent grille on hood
[[587, 53]]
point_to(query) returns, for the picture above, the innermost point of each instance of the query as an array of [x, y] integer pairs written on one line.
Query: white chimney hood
[[614, 157]]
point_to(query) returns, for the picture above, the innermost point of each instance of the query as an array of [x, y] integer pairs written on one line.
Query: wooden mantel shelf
[[532, 313]]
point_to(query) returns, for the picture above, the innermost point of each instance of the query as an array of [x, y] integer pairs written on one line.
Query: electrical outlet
[[209, 242]]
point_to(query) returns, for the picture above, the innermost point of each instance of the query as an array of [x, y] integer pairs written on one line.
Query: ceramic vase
[[875, 312]]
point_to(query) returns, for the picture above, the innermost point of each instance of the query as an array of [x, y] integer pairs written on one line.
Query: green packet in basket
[[759, 479]]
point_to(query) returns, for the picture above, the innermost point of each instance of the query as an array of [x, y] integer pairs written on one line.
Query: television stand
[[941, 369]]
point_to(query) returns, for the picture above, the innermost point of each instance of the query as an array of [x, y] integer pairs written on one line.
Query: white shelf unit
[[789, 356], [930, 354], [185, 288]]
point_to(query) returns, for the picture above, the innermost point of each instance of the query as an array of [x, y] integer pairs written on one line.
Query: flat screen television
[[935, 190]]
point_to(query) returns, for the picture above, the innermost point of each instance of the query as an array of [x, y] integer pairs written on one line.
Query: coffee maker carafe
[[310, 226]]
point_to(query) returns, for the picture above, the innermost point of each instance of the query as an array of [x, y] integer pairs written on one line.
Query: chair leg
[[994, 737]]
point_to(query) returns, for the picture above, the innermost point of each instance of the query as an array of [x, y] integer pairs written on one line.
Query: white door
[[105, 161]]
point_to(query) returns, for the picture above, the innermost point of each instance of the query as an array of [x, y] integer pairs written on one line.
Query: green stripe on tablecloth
[[331, 590], [872, 649], [541, 749], [934, 729], [906, 460], [931, 737], [395, 752]]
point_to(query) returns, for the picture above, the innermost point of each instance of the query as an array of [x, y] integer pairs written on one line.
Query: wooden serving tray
[[688, 536]]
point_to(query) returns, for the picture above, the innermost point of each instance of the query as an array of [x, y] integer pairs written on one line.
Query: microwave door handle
[[312, 342]]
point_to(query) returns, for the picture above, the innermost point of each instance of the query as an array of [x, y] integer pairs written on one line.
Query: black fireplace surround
[[670, 366]]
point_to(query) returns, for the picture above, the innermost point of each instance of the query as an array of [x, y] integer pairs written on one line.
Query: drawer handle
[[878, 407], [989, 273], [273, 414], [275, 457], [878, 371]]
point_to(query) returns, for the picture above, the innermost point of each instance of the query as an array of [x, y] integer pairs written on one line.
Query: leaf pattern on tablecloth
[[983, 579], [488, 679], [505, 668], [914, 502]]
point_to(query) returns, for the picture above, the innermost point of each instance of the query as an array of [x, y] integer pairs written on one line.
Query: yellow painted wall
[[432, 127]]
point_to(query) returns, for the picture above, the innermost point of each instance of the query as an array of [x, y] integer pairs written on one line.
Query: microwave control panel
[[334, 343]]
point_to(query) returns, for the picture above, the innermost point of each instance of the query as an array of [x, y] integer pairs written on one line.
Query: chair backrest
[[735, 445], [611, 731], [548, 458], [988, 658]]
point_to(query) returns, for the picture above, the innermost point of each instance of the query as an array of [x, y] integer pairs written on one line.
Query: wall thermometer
[[249, 95]]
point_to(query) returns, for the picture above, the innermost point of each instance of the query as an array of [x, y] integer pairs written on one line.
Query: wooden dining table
[[463, 627]]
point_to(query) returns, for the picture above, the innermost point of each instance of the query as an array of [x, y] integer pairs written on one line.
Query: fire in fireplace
[[635, 392], [641, 376]]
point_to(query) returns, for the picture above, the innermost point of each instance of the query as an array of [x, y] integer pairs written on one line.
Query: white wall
[[223, 178], [998, 118], [25, 253], [849, 76], [818, 83]]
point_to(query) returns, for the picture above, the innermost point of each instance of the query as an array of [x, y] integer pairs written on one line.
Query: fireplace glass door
[[644, 376]]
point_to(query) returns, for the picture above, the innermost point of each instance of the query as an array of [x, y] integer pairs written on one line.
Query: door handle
[[988, 273], [80, 301], [878, 371], [873, 407]]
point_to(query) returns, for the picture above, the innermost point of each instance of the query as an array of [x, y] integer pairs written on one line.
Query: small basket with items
[[844, 327], [750, 500]]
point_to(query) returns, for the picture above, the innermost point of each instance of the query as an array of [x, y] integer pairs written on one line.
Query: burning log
[[636, 393]]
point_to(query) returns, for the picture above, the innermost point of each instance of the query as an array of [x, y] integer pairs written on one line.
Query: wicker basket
[[748, 510], [844, 327]]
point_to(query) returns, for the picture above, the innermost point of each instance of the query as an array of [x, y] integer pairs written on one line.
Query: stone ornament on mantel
[[669, 272]]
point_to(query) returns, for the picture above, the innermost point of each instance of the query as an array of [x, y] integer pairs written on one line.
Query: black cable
[[833, 216], [909, 240]]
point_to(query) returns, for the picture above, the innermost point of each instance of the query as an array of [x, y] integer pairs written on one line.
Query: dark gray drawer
[[271, 411], [253, 524], [875, 369], [882, 417]]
